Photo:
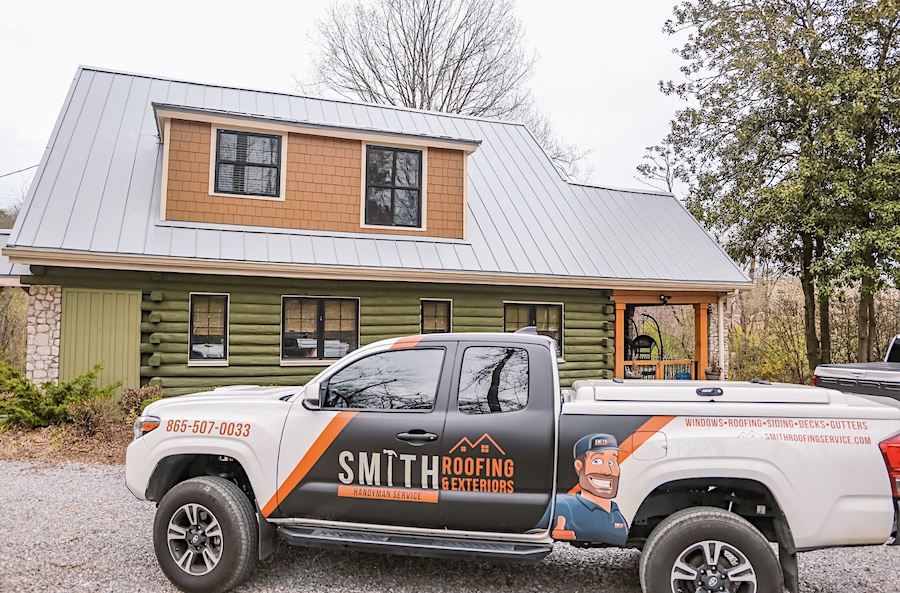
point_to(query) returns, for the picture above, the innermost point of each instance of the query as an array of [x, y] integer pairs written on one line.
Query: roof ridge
[[630, 190], [299, 96]]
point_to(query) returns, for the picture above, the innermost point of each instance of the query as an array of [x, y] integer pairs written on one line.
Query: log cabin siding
[[387, 309]]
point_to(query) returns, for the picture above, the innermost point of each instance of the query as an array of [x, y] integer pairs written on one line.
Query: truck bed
[[869, 378]]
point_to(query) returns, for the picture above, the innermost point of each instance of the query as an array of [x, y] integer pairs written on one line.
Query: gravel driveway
[[74, 527]]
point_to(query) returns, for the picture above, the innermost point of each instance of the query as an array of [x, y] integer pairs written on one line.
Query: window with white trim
[[393, 187], [209, 328], [248, 164], [318, 328], [548, 319], [436, 317]]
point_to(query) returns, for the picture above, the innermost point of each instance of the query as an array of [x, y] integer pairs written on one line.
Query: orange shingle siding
[[323, 187]]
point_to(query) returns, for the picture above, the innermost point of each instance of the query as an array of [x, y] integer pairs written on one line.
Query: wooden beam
[[673, 297], [701, 338], [619, 342]]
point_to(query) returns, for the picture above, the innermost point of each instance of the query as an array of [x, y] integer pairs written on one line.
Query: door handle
[[417, 437]]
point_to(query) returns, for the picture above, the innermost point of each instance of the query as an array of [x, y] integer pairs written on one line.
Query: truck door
[[499, 440], [383, 466]]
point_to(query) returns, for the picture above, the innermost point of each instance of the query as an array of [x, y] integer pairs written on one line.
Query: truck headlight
[[145, 424]]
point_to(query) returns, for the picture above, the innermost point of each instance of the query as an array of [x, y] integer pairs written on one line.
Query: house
[[192, 235]]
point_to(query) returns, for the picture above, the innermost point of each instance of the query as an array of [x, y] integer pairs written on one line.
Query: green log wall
[[387, 309]]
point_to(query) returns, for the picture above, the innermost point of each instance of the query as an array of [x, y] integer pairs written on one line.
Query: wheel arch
[[746, 497], [180, 467], [176, 468]]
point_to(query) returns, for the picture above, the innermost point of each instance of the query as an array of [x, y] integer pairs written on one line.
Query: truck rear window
[[493, 379]]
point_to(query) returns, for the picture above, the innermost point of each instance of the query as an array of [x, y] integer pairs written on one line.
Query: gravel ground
[[75, 527]]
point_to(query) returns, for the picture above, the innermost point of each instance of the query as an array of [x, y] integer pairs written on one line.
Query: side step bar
[[414, 545]]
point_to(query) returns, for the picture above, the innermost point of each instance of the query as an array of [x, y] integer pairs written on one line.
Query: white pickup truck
[[463, 445]]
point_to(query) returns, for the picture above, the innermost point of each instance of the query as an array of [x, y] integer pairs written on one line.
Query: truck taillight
[[815, 380], [890, 449]]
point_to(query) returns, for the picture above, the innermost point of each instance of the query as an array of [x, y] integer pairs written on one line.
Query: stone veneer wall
[[714, 336], [44, 313]]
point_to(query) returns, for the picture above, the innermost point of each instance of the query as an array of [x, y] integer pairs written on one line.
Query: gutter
[[106, 261]]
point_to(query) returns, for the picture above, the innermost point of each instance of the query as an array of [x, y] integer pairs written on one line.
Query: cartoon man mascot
[[591, 515]]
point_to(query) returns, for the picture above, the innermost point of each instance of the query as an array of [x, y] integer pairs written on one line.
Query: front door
[[383, 467], [499, 440]]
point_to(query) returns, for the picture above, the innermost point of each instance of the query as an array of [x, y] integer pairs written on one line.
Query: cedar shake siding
[[323, 189]]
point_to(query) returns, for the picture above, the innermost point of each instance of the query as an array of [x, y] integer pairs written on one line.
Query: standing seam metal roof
[[97, 191]]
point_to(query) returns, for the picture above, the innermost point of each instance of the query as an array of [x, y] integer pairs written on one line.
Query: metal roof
[[9, 271], [97, 192]]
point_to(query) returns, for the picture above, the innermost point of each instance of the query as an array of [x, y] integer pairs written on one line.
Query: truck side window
[[394, 380], [493, 379]]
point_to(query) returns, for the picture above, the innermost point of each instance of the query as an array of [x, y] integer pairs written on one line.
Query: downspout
[[721, 329]]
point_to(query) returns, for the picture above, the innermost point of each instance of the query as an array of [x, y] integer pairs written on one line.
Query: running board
[[414, 545]]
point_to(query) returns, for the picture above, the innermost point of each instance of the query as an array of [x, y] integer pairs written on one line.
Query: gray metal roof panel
[[8, 270], [98, 185], [279, 248]]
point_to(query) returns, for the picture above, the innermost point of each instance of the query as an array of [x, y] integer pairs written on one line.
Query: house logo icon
[[478, 466], [483, 446]]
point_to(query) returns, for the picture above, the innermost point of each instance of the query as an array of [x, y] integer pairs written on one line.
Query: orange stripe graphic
[[398, 494], [312, 456], [407, 342], [638, 438]]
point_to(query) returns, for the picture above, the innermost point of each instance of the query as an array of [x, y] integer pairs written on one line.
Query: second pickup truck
[[463, 445]]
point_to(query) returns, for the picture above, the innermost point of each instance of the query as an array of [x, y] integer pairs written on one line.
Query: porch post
[[701, 338], [619, 342]]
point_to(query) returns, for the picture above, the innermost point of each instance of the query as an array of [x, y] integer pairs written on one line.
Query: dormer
[[221, 168]]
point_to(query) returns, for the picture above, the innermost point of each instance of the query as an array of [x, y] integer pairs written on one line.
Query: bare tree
[[457, 56], [662, 168]]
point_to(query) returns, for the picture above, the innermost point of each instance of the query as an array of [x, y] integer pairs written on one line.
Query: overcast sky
[[597, 74]]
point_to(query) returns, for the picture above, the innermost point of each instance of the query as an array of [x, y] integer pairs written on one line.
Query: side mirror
[[314, 395]]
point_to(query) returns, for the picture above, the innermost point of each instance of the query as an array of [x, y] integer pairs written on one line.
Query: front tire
[[205, 535], [707, 549]]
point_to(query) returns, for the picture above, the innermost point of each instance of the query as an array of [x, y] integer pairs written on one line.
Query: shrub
[[35, 406], [92, 416], [135, 399]]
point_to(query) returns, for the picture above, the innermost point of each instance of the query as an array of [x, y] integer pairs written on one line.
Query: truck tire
[[708, 549], [205, 535]]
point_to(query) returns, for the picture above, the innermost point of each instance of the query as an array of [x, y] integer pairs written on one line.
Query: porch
[[640, 355]]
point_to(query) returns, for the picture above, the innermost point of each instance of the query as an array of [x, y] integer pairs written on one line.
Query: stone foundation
[[44, 313]]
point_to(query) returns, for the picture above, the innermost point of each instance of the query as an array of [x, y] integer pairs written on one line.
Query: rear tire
[[205, 535], [708, 549]]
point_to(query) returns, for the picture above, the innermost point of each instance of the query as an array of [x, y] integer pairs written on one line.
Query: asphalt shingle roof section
[[97, 191]]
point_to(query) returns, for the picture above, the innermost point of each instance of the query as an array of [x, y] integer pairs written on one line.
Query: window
[[546, 318], [394, 380], [435, 317], [393, 187], [248, 164], [209, 328], [317, 329], [493, 379]]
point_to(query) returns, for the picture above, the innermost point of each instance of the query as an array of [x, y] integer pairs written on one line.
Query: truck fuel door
[[655, 445]]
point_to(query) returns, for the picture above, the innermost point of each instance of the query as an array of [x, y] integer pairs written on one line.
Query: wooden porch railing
[[659, 369]]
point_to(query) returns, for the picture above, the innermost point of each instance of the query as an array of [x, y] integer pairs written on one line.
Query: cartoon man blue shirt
[[591, 515]]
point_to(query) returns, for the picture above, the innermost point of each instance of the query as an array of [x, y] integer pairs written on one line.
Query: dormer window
[[393, 187], [248, 164]]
